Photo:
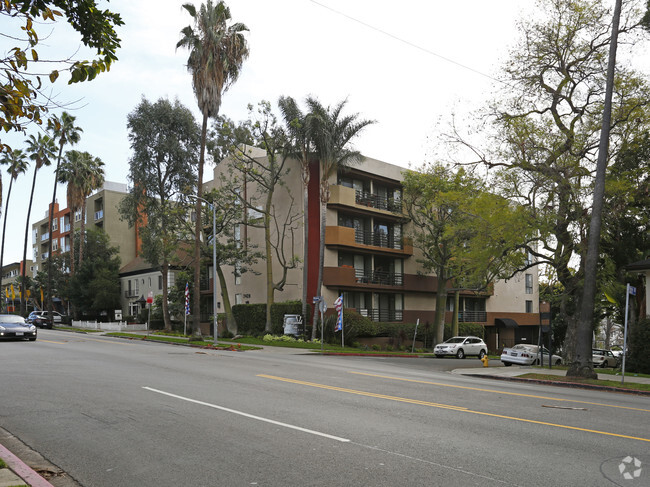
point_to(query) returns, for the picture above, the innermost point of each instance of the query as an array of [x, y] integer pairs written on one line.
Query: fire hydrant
[[485, 360]]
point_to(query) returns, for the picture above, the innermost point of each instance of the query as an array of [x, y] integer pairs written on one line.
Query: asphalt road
[[112, 412]]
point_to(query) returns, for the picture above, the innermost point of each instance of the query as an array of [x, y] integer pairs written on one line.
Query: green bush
[[638, 359], [465, 329], [251, 318]]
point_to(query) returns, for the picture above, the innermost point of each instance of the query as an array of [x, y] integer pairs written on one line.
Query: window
[[529, 284], [55, 224], [529, 306], [237, 273], [160, 282]]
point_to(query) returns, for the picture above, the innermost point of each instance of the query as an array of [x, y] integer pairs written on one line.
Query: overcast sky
[[405, 64]]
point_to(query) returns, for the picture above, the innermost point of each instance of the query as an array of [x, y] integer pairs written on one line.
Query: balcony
[[381, 315], [45, 237], [472, 316], [349, 197], [347, 276], [131, 294], [99, 215], [361, 240], [380, 202]]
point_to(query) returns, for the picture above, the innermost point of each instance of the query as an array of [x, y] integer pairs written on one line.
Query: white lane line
[[251, 416]]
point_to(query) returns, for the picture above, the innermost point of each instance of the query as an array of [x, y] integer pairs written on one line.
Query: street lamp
[[214, 263]]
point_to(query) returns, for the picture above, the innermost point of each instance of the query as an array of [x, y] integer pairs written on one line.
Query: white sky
[[297, 48]]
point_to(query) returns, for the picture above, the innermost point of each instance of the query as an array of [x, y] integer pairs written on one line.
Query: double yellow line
[[447, 406]]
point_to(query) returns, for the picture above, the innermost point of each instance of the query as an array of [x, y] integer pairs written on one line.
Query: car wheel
[[507, 364], [481, 354], [438, 356], [460, 354], [558, 362]]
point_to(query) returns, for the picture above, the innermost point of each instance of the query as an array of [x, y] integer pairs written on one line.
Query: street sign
[[322, 306], [150, 297], [316, 299]]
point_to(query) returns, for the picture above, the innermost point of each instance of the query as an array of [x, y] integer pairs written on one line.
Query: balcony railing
[[45, 236], [382, 315], [131, 294], [379, 277], [378, 239], [99, 215], [379, 202], [472, 316]]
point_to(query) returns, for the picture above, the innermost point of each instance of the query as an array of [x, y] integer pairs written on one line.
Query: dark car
[[15, 327], [42, 319]]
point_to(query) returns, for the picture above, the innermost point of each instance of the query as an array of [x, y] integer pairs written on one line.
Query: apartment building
[[370, 260], [101, 212], [10, 274]]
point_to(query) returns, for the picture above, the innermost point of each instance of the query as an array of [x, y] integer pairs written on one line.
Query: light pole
[[214, 264]]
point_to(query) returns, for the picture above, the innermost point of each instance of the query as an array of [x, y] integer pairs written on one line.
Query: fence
[[114, 326]]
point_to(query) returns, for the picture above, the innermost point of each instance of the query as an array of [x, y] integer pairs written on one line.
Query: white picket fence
[[114, 326]]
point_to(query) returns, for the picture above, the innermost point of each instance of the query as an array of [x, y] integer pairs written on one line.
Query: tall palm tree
[[65, 132], [217, 52], [18, 164], [299, 129], [332, 133], [83, 173], [41, 150]]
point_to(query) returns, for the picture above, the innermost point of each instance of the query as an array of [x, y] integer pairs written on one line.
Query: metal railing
[[379, 277], [379, 202], [131, 294], [472, 316], [381, 315], [378, 239], [99, 214], [45, 237]]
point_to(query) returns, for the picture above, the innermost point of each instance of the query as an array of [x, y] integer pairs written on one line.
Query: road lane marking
[[250, 416], [446, 406], [498, 392], [51, 341]]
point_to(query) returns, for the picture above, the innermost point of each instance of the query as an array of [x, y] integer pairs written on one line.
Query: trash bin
[[292, 324]]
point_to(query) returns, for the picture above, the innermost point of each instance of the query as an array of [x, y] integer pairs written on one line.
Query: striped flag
[[338, 304], [187, 298]]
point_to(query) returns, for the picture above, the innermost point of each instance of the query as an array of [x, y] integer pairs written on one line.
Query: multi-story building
[[370, 260], [10, 274], [101, 212]]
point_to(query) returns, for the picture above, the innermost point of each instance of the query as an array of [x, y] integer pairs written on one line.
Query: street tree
[[298, 127], [25, 96], [83, 173], [63, 131], [41, 150], [165, 141], [218, 49], [17, 162], [546, 135], [267, 173], [332, 133], [467, 236]]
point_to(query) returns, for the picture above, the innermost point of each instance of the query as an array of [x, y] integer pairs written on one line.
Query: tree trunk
[[196, 314], [441, 301], [321, 261], [582, 366], [270, 287], [50, 304], [23, 295], [2, 249], [165, 292], [231, 323], [305, 261], [82, 233]]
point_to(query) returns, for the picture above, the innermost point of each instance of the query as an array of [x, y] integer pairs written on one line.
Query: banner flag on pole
[[13, 293], [338, 304], [187, 298], [42, 297]]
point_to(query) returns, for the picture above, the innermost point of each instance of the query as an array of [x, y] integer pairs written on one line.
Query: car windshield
[[456, 340], [11, 319]]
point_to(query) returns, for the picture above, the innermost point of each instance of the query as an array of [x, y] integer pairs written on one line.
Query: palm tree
[[299, 129], [83, 173], [65, 132], [18, 164], [217, 52], [332, 133], [41, 149]]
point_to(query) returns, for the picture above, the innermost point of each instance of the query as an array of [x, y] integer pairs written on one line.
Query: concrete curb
[[19, 472], [562, 384]]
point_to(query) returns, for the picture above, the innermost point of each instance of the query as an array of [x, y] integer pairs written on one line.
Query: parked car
[[527, 354], [461, 347], [42, 319], [14, 326], [603, 358]]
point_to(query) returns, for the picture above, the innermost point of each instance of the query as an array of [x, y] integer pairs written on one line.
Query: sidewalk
[[513, 372]]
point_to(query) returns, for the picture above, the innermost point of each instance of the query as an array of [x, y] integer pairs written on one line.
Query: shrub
[[638, 359], [465, 329]]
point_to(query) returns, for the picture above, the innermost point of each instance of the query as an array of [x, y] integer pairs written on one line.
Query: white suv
[[461, 347]]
